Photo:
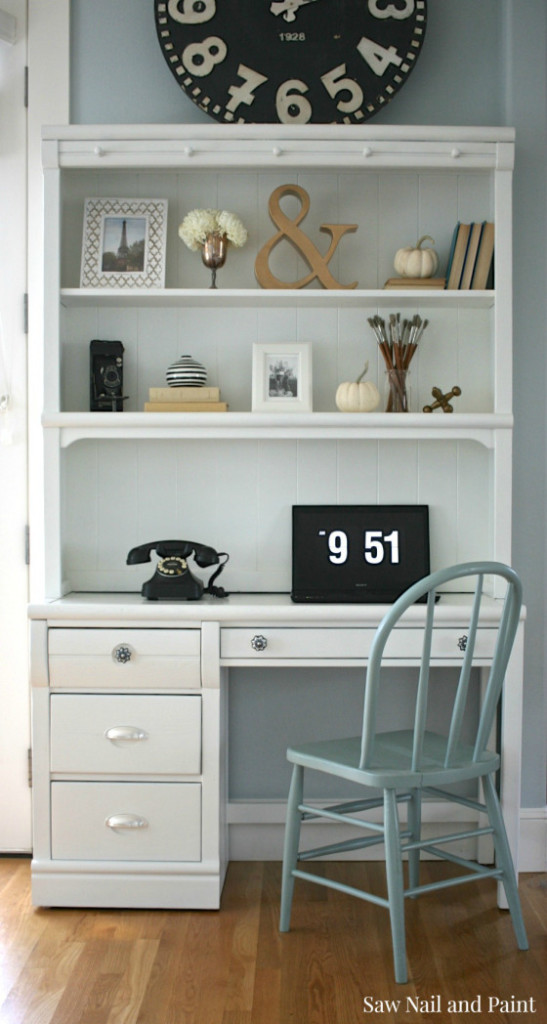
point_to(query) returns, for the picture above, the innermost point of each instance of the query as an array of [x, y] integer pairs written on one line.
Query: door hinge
[[25, 88], [25, 313], [27, 545], [29, 767]]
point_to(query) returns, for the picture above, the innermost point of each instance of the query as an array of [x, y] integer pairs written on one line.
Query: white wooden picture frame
[[124, 243], [282, 377]]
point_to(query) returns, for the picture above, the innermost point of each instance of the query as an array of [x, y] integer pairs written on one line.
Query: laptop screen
[[358, 553]]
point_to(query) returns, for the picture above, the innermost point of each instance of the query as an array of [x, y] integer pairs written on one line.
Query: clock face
[[291, 61]]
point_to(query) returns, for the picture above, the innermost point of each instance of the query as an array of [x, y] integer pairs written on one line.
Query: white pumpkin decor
[[357, 396], [413, 261]]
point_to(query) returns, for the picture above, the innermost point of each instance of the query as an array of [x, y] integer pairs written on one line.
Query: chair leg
[[394, 872], [504, 860], [290, 851], [415, 826]]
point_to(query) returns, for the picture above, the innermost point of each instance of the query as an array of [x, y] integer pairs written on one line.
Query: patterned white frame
[[262, 401], [96, 212]]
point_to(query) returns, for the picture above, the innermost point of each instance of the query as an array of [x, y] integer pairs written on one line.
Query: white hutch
[[131, 797]]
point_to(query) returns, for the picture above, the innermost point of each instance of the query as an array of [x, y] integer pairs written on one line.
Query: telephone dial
[[173, 580]]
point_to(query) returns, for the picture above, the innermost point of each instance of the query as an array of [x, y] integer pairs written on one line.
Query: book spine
[[471, 255], [458, 259], [482, 273]]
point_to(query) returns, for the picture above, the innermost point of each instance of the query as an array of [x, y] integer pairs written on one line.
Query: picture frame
[[124, 243], [282, 377]]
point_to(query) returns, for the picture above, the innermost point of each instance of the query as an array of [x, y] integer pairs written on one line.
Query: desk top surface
[[244, 610]]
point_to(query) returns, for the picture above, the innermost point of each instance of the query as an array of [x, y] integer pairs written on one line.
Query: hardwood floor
[[334, 967]]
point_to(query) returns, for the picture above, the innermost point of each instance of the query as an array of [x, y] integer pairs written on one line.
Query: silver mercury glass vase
[[214, 253]]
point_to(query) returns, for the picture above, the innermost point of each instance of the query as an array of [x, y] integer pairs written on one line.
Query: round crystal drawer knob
[[259, 642], [122, 654]]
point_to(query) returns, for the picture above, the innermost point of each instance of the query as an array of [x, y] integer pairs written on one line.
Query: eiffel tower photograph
[[124, 244]]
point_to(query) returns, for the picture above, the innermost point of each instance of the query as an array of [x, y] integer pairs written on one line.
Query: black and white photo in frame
[[282, 377]]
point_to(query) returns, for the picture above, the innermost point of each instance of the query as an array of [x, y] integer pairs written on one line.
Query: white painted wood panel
[[456, 348], [86, 659], [166, 821], [124, 735], [15, 795], [391, 209], [175, 489], [345, 643]]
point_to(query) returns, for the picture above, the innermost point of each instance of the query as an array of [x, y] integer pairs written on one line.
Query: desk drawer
[[264, 643], [126, 821], [160, 659], [126, 734]]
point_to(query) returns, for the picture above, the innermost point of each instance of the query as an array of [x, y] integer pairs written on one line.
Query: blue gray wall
[[484, 62]]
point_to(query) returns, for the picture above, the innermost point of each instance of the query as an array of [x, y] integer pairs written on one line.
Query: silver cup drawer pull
[[259, 642], [124, 822], [125, 734], [122, 653]]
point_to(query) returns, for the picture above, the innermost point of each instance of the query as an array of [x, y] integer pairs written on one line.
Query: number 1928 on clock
[[346, 60]]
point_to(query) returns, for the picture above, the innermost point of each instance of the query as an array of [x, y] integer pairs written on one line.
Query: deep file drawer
[[125, 734], [126, 821], [124, 658], [263, 643]]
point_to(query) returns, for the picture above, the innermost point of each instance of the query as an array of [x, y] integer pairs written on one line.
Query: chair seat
[[391, 763]]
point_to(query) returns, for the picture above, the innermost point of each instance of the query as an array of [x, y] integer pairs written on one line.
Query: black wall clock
[[291, 61]]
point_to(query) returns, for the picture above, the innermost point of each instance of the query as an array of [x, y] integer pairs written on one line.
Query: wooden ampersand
[[288, 229], [442, 401]]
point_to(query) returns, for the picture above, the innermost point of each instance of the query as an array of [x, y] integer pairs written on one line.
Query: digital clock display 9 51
[[361, 553]]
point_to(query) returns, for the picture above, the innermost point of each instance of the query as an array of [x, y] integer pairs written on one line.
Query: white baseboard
[[256, 831], [533, 839]]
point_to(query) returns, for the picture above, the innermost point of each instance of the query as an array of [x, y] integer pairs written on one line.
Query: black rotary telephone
[[172, 580]]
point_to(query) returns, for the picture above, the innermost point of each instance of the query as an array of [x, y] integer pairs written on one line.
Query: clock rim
[[371, 108]]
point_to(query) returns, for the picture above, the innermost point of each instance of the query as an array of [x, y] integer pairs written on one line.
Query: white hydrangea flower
[[199, 223], [231, 226], [196, 226]]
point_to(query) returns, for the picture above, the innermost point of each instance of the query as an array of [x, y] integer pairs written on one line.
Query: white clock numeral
[[378, 57], [393, 539], [191, 12], [374, 550], [334, 84], [338, 547], [292, 107], [245, 93], [199, 59], [391, 11]]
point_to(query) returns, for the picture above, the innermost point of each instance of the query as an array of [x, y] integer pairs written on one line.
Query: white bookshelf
[[116, 480]]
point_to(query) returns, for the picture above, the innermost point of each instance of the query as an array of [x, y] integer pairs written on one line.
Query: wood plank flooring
[[233, 967]]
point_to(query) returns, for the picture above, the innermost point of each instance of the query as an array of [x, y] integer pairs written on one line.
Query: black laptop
[[368, 554]]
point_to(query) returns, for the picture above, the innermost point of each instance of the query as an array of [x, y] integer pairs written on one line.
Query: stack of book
[[471, 259], [185, 399]]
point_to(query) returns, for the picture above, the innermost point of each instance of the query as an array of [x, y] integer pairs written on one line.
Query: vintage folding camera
[[106, 376]]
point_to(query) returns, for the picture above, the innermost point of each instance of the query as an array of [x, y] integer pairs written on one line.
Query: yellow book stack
[[185, 399]]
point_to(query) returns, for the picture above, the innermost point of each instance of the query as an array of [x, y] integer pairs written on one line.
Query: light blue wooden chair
[[408, 763]]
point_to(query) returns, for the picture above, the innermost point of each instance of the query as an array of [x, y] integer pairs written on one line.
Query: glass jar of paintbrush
[[397, 341]]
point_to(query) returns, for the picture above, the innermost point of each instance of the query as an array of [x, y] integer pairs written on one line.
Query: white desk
[[104, 663]]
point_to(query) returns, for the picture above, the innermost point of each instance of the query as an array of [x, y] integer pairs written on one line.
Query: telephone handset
[[173, 580]]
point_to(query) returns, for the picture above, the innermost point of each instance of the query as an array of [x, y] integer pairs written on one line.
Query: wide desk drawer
[[127, 734], [162, 659], [265, 643], [126, 821]]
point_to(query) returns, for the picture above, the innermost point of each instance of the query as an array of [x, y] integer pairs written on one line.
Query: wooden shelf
[[257, 297], [79, 426]]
